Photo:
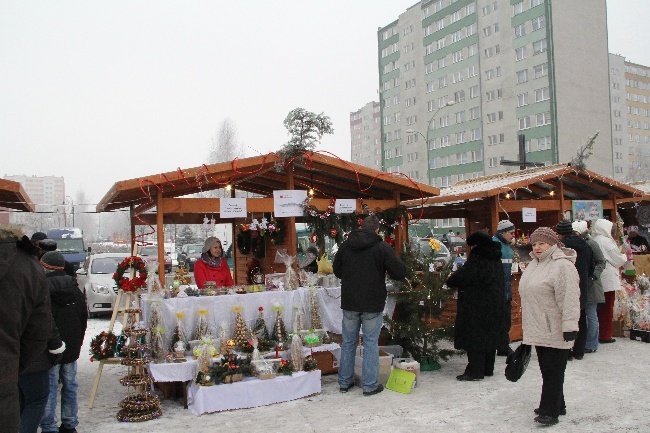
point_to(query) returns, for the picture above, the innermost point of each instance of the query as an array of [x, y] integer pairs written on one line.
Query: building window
[[517, 8], [534, 3], [476, 134], [522, 76], [544, 143], [473, 92], [520, 53], [459, 96], [542, 94], [474, 113], [522, 99], [520, 30], [539, 22], [539, 46], [543, 118], [460, 137], [524, 122], [541, 70]]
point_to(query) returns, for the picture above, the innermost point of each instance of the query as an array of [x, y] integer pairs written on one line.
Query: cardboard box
[[385, 362]]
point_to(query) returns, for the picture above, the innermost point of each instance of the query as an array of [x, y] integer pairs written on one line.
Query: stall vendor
[[213, 265], [637, 242]]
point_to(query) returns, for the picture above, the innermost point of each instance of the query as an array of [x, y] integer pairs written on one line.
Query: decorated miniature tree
[[297, 358], [417, 325], [179, 334], [259, 330], [314, 309], [240, 335], [202, 326], [279, 333]]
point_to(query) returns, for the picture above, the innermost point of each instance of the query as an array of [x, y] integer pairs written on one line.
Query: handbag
[[517, 362]]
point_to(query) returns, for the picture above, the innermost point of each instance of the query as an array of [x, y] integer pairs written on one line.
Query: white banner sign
[[529, 214], [345, 205], [232, 208], [289, 202]]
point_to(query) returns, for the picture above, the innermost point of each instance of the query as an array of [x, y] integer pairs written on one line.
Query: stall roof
[[540, 183], [329, 176], [13, 196]]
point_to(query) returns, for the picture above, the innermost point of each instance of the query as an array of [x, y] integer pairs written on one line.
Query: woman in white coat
[[601, 232], [550, 309]]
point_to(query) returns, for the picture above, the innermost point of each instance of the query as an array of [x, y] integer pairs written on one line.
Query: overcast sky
[[99, 92]]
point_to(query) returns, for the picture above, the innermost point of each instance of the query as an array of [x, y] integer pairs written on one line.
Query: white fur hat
[[580, 227], [505, 226]]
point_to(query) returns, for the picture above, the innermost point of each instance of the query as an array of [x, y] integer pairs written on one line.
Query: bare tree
[[225, 147]]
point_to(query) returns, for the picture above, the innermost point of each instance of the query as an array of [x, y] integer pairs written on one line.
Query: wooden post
[[401, 234], [291, 241], [160, 237]]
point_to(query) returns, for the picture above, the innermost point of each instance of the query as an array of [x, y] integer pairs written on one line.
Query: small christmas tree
[[178, 334], [240, 334], [202, 326], [279, 333], [259, 329], [417, 326], [314, 309], [297, 358]]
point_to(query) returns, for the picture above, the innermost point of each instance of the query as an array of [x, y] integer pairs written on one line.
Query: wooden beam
[[160, 237]]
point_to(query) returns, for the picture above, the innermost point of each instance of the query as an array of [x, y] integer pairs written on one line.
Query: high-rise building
[[460, 80], [48, 195], [365, 131], [630, 93]]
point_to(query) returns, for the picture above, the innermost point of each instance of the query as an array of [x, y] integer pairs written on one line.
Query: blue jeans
[[370, 324], [34, 389], [592, 326], [68, 374]]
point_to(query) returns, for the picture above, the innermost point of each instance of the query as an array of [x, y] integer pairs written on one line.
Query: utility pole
[[522, 163]]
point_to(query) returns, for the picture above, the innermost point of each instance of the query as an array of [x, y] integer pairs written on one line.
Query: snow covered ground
[[608, 391]]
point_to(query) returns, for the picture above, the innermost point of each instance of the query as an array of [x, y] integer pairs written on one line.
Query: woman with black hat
[[480, 302]]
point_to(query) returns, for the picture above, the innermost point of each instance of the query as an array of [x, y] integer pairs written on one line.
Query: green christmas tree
[[259, 330], [417, 325], [279, 333]]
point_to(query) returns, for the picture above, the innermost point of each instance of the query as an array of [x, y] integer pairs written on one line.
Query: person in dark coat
[[25, 317], [361, 263], [480, 303], [71, 317], [585, 266], [312, 266]]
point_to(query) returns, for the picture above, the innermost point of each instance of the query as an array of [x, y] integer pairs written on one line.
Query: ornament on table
[[297, 359], [155, 315], [179, 352], [314, 309], [179, 334], [254, 342], [291, 281], [297, 321], [202, 326], [240, 334], [279, 333], [312, 339], [259, 329], [154, 290], [158, 350], [223, 346], [205, 351], [333, 232], [313, 238]]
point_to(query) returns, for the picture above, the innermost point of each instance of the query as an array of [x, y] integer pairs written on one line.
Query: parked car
[[455, 244], [189, 254], [95, 280], [149, 254]]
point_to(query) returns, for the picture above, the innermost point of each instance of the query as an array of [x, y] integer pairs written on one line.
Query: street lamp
[[426, 138]]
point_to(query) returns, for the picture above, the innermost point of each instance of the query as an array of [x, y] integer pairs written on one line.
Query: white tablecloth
[[252, 392], [221, 310], [174, 371]]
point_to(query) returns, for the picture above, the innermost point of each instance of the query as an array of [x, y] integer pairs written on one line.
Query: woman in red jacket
[[212, 266]]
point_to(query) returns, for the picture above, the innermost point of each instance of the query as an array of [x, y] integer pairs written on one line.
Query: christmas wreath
[[131, 284], [103, 346]]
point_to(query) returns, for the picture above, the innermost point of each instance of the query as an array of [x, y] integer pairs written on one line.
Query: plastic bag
[[325, 265]]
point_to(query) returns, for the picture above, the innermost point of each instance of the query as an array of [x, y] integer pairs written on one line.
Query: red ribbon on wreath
[[131, 284]]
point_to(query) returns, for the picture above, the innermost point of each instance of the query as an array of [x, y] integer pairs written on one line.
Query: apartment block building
[[46, 192], [630, 99], [460, 80], [365, 130]]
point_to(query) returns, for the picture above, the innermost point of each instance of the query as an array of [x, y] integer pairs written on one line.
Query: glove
[[570, 336], [56, 355]]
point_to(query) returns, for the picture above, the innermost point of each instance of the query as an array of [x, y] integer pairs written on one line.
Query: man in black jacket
[[361, 263], [585, 265], [25, 317], [71, 317]]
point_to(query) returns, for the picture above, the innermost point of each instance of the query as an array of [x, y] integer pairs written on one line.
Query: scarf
[[212, 262]]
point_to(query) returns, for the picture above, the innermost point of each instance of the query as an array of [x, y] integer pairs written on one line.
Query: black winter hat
[[47, 245], [564, 227], [53, 260], [38, 236], [479, 238]]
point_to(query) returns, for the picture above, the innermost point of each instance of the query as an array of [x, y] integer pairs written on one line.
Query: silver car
[[96, 281]]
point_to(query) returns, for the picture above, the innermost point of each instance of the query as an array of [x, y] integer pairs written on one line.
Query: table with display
[[250, 392]]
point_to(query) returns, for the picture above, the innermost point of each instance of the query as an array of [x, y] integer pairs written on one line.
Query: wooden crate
[[327, 364]]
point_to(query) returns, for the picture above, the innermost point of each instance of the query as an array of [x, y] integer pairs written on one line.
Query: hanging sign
[[587, 210], [232, 207], [345, 205], [529, 214], [289, 202]]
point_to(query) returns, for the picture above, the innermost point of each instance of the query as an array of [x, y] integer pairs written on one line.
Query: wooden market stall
[[13, 196], [548, 193], [161, 199]]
